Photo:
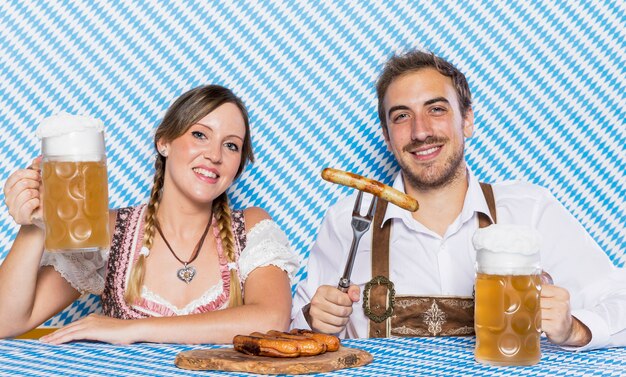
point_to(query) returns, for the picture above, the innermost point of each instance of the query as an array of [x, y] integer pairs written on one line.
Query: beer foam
[[71, 135], [503, 249], [64, 123]]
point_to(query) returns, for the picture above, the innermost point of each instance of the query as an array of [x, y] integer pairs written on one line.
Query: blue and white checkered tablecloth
[[392, 357], [548, 80]]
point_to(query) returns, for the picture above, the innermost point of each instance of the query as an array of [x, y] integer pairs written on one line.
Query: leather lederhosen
[[407, 316]]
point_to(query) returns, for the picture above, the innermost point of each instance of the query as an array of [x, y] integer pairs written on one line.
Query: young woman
[[183, 268]]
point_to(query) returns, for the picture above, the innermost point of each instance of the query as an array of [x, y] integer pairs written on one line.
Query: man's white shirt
[[422, 263]]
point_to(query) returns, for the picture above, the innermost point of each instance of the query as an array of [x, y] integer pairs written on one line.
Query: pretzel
[[332, 342], [371, 186]]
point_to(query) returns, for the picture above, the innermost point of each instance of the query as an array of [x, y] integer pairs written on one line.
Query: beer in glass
[[75, 187], [507, 316]]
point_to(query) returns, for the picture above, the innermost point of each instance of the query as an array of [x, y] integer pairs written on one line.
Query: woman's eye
[[198, 135], [232, 146]]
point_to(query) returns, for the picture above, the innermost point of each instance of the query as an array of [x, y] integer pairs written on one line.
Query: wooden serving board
[[227, 359]]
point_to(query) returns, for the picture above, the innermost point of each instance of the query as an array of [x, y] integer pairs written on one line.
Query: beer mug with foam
[[75, 187], [507, 317]]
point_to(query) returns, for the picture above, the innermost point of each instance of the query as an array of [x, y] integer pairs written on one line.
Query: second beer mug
[[75, 187], [507, 316]]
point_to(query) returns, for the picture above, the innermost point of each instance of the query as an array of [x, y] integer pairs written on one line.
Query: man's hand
[[330, 309], [556, 320], [93, 327]]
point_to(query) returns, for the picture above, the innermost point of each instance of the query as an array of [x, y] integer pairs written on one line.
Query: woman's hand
[[94, 327], [22, 195]]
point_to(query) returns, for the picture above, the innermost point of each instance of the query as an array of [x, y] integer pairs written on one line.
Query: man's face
[[425, 129]]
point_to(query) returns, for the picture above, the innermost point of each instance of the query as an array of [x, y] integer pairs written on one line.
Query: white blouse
[[266, 245]]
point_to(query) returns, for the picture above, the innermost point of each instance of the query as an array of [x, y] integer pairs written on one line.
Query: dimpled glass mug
[[75, 186], [507, 317]]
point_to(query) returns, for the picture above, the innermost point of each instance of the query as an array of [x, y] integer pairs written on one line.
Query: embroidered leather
[[432, 316]]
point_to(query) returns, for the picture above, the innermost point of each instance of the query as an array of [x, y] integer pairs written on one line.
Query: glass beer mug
[[507, 317], [75, 187]]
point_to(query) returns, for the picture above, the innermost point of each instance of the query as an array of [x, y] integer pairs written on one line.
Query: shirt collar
[[393, 211], [474, 201]]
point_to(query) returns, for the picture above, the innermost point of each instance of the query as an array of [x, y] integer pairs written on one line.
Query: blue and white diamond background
[[548, 81]]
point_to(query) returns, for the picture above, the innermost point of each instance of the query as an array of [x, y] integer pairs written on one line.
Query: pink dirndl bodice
[[125, 247]]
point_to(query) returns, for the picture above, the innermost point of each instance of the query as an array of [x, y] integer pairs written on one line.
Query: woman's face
[[202, 162]]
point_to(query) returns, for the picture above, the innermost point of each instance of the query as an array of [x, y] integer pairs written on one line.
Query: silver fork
[[360, 225]]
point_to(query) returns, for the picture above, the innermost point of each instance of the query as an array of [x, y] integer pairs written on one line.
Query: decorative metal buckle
[[379, 280]]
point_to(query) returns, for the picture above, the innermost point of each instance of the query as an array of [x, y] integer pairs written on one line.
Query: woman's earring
[[163, 152]]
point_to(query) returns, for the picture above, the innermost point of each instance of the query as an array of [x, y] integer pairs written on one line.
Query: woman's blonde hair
[[187, 110]]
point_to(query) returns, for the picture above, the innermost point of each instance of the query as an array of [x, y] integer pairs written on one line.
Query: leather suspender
[[483, 219], [378, 299]]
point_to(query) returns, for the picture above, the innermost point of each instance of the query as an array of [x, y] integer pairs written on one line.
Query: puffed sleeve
[[83, 270], [267, 245]]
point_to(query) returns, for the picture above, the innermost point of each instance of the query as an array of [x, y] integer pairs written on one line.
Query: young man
[[424, 105]]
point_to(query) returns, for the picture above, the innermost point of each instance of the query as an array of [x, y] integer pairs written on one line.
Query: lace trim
[[81, 272], [63, 273], [208, 297], [264, 229], [267, 245]]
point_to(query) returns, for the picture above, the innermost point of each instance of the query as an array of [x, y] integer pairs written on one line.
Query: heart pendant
[[186, 273]]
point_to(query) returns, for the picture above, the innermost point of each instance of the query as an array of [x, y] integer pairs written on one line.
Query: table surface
[[452, 356]]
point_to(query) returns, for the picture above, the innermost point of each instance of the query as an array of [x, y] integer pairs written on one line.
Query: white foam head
[[72, 135], [507, 249]]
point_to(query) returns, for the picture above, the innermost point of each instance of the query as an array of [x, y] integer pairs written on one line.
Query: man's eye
[[197, 134], [400, 117], [438, 110], [232, 146]]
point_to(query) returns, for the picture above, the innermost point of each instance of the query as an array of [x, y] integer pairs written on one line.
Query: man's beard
[[431, 176]]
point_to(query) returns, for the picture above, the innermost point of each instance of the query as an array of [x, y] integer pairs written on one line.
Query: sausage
[[371, 186], [332, 342], [265, 346], [285, 344], [307, 346]]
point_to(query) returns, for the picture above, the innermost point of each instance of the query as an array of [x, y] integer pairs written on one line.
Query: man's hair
[[412, 61]]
